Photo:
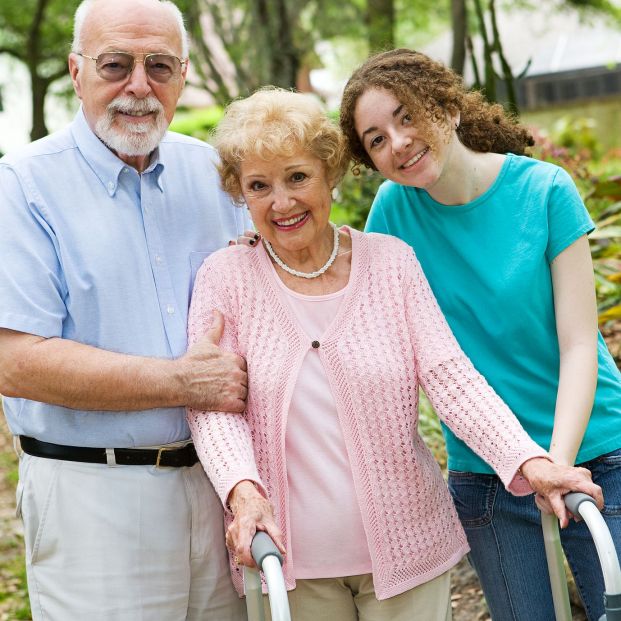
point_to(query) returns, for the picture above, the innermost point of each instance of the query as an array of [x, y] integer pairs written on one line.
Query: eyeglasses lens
[[115, 66]]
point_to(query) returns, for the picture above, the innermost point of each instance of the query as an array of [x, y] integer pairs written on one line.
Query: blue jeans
[[507, 552]]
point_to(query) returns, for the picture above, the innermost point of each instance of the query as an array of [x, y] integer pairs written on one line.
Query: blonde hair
[[275, 122]]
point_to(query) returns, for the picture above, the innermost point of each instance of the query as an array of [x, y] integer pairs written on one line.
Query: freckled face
[[289, 199], [400, 151]]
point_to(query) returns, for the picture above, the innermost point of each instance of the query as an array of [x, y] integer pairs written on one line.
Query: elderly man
[[104, 225]]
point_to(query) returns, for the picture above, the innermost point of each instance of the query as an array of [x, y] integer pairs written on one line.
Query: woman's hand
[[252, 512], [552, 481], [249, 238]]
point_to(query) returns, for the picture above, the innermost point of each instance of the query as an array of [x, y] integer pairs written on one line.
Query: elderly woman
[[339, 330]]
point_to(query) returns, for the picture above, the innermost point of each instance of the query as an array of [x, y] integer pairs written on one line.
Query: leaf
[[609, 187], [610, 314], [606, 233]]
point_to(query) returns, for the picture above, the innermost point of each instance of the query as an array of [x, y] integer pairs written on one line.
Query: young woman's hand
[[551, 482], [249, 238], [252, 512]]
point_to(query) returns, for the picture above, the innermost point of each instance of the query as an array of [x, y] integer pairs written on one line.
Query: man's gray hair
[[86, 5]]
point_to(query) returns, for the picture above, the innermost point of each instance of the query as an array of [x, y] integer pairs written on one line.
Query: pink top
[[388, 336], [323, 507]]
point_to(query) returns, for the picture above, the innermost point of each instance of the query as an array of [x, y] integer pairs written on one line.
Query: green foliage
[[431, 431], [38, 33], [572, 145], [577, 134], [199, 122], [53, 24], [354, 197]]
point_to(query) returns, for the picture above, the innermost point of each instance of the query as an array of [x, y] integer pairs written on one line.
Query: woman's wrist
[[243, 491]]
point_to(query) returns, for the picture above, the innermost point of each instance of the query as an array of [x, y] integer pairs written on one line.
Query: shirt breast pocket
[[196, 260]]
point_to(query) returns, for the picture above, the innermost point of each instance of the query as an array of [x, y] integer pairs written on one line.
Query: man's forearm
[[67, 373]]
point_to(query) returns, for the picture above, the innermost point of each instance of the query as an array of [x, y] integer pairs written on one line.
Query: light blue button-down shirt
[[93, 251]]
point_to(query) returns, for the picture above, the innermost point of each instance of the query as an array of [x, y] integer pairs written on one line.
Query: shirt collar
[[104, 163]]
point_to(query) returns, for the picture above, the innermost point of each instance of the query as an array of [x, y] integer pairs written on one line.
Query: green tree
[[381, 24], [38, 33], [240, 45]]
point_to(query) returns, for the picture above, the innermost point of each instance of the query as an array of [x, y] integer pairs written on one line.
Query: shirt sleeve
[[568, 218], [32, 286], [459, 393], [223, 440]]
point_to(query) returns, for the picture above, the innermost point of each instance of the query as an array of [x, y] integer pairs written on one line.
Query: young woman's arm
[[576, 326]]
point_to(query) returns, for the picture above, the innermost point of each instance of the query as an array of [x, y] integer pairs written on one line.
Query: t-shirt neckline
[[431, 202]]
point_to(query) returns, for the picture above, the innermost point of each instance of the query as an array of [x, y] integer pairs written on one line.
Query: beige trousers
[[124, 543], [353, 599]]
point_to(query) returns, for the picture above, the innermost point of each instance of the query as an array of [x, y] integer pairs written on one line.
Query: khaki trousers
[[353, 599], [124, 543]]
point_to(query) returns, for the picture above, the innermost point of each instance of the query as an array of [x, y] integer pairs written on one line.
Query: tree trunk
[[39, 90], [285, 61], [460, 29], [381, 24], [489, 86]]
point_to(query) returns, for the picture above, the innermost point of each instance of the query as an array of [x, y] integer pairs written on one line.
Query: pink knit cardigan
[[388, 337]]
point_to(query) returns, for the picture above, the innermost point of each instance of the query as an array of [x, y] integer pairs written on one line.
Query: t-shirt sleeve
[[568, 218], [32, 287], [376, 220]]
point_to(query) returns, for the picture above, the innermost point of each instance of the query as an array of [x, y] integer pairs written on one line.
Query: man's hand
[[213, 379]]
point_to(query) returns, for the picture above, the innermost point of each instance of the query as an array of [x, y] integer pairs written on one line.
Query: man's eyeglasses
[[116, 66]]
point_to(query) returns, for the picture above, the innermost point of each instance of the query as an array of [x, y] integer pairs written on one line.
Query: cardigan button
[[315, 344]]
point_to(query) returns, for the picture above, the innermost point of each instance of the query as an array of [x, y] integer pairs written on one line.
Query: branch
[[13, 53], [35, 27], [61, 73]]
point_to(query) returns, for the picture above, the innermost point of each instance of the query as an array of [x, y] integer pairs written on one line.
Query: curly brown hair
[[422, 84]]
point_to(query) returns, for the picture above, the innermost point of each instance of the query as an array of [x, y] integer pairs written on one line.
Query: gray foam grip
[[574, 499], [262, 546]]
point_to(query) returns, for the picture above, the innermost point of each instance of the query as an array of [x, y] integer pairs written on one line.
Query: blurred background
[[554, 63]]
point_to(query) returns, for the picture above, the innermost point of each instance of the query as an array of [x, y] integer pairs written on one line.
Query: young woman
[[502, 240]]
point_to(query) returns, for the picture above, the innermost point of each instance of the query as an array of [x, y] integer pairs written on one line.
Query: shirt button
[[158, 259], [315, 344], [125, 170], [110, 186], [170, 309]]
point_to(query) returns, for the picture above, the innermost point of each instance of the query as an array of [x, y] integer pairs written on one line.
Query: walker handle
[[262, 546]]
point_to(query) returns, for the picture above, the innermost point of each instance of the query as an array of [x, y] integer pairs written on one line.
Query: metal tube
[[254, 595], [279, 602], [556, 567], [604, 545]]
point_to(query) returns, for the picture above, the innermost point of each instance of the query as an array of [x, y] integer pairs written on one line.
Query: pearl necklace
[[319, 272]]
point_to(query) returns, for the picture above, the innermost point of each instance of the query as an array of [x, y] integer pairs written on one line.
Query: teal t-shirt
[[488, 263]]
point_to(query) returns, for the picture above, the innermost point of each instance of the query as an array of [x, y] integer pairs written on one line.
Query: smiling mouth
[[293, 222], [415, 159], [135, 114]]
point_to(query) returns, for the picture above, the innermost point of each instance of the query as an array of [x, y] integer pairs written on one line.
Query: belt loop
[[111, 458], [17, 446]]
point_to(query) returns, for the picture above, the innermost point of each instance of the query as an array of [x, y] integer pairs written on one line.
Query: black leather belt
[[176, 457]]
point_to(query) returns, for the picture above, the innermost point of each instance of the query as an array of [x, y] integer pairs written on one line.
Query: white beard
[[128, 138]]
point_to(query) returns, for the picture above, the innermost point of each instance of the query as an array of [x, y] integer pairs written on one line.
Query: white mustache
[[130, 105]]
